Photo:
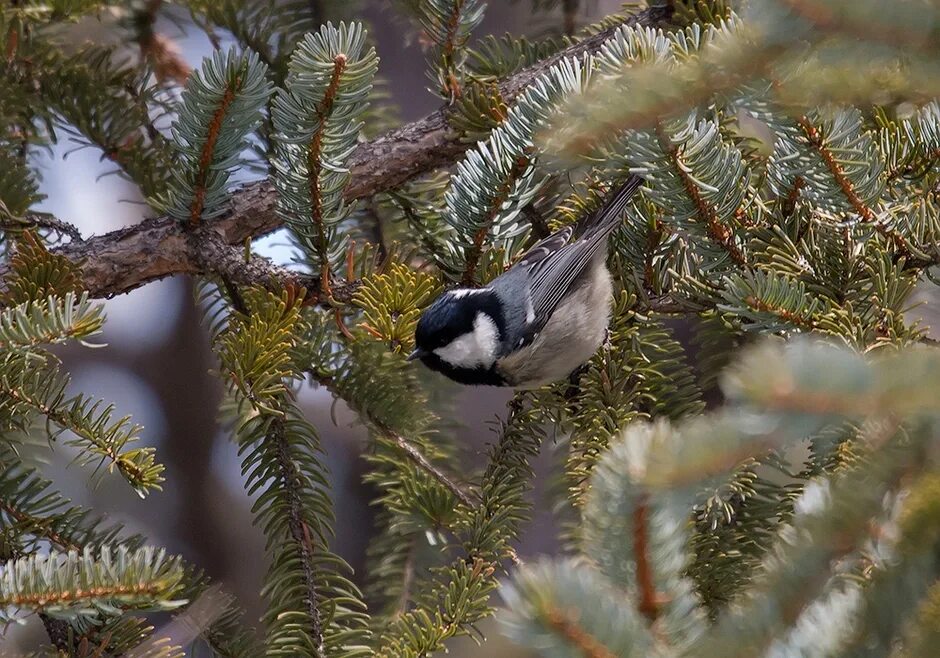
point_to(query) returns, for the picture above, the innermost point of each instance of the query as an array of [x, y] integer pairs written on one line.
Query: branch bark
[[122, 260]]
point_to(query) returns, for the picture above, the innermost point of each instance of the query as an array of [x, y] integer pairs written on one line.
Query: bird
[[537, 322]]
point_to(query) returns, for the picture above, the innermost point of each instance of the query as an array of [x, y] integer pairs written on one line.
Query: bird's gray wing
[[546, 247], [553, 272]]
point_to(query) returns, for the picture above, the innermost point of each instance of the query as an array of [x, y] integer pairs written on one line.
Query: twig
[[707, 213], [816, 140], [314, 166], [648, 604], [565, 622], [46, 221], [300, 533], [422, 462], [410, 451]]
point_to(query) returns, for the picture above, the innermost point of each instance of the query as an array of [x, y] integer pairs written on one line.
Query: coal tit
[[538, 321]]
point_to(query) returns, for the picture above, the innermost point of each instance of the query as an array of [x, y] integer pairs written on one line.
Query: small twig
[[291, 480], [648, 604], [565, 622], [804, 321], [422, 462], [816, 140], [208, 149], [476, 249], [707, 214], [42, 221], [413, 454], [314, 166], [37, 526]]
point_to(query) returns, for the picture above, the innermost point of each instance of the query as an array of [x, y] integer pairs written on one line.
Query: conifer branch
[[716, 230], [788, 316], [52, 320], [37, 525], [125, 259], [314, 165], [815, 139], [42, 221], [415, 456], [86, 584], [282, 462], [496, 204], [292, 481], [648, 604], [221, 107], [411, 451], [37, 387], [565, 623], [208, 148]]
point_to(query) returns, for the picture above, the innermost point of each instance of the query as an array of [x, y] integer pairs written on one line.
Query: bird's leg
[[574, 381]]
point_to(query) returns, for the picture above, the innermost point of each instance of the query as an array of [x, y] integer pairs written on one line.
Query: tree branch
[[422, 462], [292, 482], [122, 260]]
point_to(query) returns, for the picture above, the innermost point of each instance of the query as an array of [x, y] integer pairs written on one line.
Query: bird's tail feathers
[[610, 213]]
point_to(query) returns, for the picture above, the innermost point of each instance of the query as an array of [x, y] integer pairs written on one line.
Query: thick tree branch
[[122, 260]]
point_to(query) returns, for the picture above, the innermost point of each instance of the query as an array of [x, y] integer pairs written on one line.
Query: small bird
[[538, 321]]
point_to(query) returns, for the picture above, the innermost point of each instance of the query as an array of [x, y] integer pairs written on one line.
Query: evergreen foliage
[[282, 463], [84, 586], [635, 534], [220, 108], [447, 24], [331, 71], [747, 467]]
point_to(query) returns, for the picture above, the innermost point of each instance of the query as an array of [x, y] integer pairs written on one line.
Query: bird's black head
[[459, 336]]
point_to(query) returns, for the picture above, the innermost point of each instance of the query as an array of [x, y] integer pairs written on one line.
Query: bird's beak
[[417, 354]]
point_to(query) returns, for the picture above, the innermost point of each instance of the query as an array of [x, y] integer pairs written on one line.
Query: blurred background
[[157, 366]]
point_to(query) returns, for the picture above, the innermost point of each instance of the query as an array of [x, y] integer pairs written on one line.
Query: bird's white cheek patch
[[474, 349]]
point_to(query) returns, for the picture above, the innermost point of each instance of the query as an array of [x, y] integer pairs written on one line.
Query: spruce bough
[[765, 488]]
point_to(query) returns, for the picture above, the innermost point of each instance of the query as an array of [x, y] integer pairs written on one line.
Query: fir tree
[[767, 488]]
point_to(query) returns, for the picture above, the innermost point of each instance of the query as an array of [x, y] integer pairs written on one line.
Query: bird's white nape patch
[[475, 348], [460, 293]]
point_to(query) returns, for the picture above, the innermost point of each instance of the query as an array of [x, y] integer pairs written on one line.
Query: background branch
[[125, 259]]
